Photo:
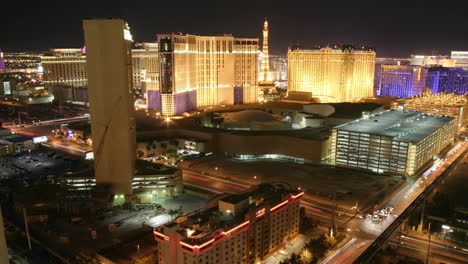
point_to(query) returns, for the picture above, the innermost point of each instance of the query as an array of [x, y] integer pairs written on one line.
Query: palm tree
[[172, 213]]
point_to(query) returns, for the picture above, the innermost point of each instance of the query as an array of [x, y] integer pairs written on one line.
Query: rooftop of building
[[250, 115], [352, 110], [441, 99], [402, 125], [203, 225], [333, 48], [144, 167], [16, 138]]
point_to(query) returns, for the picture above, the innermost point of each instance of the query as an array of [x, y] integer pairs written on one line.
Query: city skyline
[[186, 136], [393, 32]]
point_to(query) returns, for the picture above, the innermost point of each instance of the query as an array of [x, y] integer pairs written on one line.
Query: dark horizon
[[393, 32]]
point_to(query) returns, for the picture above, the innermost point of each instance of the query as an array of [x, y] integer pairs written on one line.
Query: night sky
[[394, 32]]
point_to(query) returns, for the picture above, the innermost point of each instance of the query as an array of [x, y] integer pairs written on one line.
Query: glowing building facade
[[202, 71], [2, 61], [432, 61], [340, 73], [448, 80], [145, 62], [449, 104], [461, 58], [65, 66], [396, 142], [241, 228], [109, 65], [402, 80], [265, 68]]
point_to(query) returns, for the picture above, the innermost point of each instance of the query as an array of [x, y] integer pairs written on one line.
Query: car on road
[[360, 245]]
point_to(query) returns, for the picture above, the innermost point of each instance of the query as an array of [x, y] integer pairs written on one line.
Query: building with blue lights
[[407, 81], [448, 80], [402, 80]]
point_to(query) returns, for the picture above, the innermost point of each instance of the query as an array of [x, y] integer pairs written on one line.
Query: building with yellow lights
[[145, 62], [240, 228], [203, 71], [396, 142], [449, 104], [337, 74], [65, 66]]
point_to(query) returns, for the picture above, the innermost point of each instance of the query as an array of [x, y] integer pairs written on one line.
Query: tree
[[173, 213], [306, 256], [306, 224], [319, 246]]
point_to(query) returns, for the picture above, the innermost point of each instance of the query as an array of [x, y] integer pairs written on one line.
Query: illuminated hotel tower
[[203, 71], [109, 64], [340, 73], [265, 70]]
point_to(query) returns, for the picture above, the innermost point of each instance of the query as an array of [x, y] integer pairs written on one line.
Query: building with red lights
[[240, 228]]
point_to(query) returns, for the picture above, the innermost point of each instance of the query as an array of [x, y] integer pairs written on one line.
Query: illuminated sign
[[89, 155], [40, 139], [127, 34], [211, 241], [260, 213], [6, 88]]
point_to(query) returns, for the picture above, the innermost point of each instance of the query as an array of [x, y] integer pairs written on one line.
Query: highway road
[[53, 122], [363, 230], [370, 230], [438, 251], [44, 128]]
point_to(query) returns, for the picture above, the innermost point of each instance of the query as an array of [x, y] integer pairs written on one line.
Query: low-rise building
[[240, 228], [399, 142], [20, 142], [449, 104]]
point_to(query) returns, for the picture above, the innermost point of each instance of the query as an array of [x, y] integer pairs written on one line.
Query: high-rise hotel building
[[201, 71], [240, 228], [68, 66], [145, 62], [339, 73], [65, 66], [398, 142], [402, 80]]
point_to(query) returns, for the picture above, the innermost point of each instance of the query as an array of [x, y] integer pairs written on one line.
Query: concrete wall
[[3, 247]]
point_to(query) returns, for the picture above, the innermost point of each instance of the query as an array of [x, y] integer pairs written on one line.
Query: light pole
[[429, 243]]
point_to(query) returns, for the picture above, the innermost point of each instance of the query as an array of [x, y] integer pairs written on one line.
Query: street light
[[167, 120]]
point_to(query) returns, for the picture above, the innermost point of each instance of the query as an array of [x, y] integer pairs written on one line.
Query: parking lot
[[37, 165]]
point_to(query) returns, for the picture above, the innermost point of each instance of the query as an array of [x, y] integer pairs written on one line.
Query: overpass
[[370, 252]]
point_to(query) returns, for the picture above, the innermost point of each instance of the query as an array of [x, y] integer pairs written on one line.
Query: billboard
[[40, 139], [6, 88]]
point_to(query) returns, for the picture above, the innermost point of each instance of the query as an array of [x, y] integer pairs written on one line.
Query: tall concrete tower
[[3, 246], [265, 70], [109, 65]]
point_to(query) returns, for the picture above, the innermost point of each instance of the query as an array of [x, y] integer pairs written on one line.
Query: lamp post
[[429, 243]]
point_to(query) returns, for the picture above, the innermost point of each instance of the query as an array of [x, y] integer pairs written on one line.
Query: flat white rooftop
[[401, 125]]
